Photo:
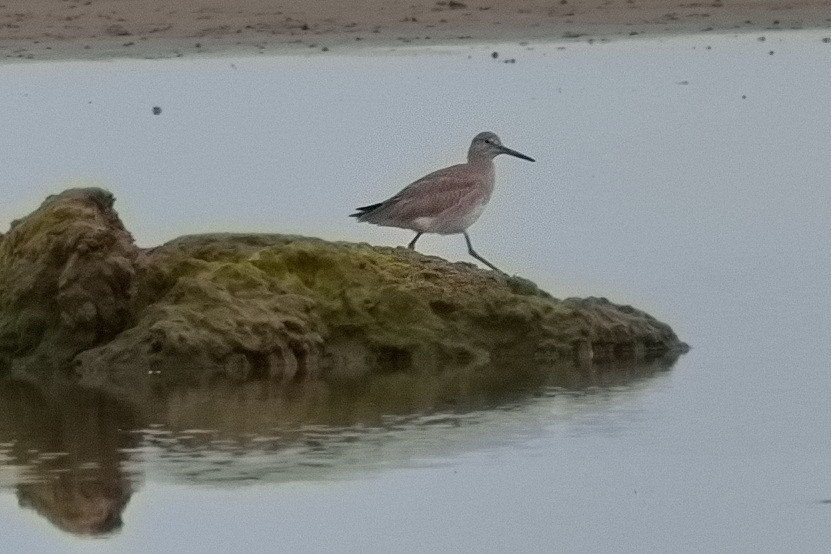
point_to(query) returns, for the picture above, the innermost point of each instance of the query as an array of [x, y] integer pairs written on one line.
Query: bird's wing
[[434, 193]]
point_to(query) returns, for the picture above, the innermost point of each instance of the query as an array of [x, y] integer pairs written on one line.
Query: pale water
[[690, 177]]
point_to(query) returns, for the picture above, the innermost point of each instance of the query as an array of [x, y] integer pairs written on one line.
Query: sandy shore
[[92, 29]]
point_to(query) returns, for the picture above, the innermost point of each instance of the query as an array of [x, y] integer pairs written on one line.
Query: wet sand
[[95, 29]]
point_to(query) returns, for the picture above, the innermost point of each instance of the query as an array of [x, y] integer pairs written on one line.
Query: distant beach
[[105, 29]]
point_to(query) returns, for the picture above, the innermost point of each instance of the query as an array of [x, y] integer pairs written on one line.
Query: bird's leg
[[411, 246], [473, 253]]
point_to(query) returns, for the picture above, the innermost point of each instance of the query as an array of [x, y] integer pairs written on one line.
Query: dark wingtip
[[363, 210]]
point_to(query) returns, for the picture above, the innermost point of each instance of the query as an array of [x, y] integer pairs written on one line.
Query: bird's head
[[487, 145]]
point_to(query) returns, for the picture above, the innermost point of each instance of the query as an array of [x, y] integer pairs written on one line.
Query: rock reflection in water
[[259, 432], [65, 447], [74, 455]]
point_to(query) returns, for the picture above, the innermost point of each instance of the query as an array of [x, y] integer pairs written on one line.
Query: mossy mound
[[277, 307], [67, 276]]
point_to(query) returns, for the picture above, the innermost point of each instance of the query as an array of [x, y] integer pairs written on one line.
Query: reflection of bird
[[447, 201]]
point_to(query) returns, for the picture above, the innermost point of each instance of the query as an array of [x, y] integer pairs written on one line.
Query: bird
[[447, 201]]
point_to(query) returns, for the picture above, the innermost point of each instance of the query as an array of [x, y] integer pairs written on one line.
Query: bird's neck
[[483, 163]]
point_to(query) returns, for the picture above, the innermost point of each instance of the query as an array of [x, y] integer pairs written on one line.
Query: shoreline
[[87, 30]]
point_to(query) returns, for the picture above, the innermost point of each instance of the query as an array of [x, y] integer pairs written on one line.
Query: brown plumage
[[447, 201]]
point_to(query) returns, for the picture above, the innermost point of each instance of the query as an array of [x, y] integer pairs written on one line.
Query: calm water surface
[[689, 177]]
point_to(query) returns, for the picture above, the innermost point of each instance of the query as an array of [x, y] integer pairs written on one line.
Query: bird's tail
[[362, 211]]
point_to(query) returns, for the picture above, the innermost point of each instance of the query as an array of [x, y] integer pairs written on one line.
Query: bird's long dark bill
[[516, 154]]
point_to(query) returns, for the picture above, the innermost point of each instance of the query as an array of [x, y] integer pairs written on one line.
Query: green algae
[[74, 287]]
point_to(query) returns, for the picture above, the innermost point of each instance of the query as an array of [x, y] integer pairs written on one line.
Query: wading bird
[[447, 201]]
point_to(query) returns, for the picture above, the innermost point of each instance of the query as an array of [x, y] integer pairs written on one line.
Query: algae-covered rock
[[277, 307], [66, 277]]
